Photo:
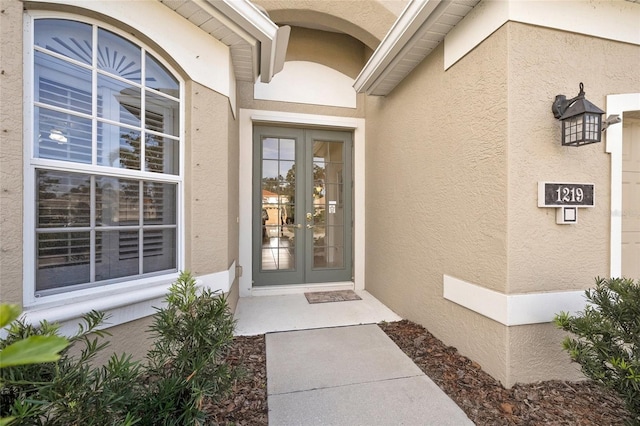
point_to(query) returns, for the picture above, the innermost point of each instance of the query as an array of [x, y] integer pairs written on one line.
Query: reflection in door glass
[[277, 207], [328, 205]]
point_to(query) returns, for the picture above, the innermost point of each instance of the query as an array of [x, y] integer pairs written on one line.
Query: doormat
[[331, 296]]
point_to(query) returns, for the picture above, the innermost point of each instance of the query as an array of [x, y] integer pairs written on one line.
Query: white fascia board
[[611, 20], [212, 8], [406, 26], [273, 39], [199, 54], [512, 309]]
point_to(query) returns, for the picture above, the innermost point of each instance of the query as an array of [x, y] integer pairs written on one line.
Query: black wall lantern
[[581, 120]]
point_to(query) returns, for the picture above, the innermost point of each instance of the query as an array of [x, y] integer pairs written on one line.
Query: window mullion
[[143, 108], [92, 232], [141, 227], [94, 96], [94, 153]]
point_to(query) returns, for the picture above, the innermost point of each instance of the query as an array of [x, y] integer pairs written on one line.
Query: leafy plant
[[71, 390], [608, 338], [184, 368], [31, 350], [186, 364]]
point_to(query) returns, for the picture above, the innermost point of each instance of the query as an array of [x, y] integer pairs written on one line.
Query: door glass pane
[[277, 206], [328, 205]]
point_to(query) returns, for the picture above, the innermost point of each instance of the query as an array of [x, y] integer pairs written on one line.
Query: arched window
[[104, 175]]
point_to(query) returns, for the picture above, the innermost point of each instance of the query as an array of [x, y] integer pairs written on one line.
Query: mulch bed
[[486, 402], [483, 399]]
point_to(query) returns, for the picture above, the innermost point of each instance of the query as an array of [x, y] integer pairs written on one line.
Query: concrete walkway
[[353, 375]]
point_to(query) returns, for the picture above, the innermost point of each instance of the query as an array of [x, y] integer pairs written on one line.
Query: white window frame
[[126, 300]]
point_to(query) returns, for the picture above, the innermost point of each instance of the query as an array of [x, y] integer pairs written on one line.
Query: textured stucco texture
[[11, 152], [453, 161]]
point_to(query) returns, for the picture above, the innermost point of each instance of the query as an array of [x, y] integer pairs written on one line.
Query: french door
[[302, 212]]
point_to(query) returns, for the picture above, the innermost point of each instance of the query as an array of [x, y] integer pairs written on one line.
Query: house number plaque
[[566, 198], [551, 194]]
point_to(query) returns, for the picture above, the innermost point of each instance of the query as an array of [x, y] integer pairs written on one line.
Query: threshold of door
[[280, 290]]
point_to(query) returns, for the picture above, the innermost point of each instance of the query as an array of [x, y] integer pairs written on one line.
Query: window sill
[[120, 306]]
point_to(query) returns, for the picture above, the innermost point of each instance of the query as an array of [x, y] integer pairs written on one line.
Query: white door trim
[[246, 119], [617, 104]]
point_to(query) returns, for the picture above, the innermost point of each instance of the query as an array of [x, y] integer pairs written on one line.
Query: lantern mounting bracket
[[561, 103], [581, 120]]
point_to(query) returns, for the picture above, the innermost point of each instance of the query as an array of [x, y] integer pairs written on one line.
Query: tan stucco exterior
[[426, 167], [367, 21], [458, 168], [453, 159], [11, 149]]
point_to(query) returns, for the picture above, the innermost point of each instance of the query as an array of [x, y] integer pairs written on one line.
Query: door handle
[[297, 226], [310, 226]]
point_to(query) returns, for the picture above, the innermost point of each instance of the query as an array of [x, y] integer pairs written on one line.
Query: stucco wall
[[11, 152], [437, 195], [367, 21], [337, 51], [453, 161], [233, 204], [207, 181], [544, 256]]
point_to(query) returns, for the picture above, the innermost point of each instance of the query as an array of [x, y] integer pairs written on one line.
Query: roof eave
[[416, 20], [273, 39]]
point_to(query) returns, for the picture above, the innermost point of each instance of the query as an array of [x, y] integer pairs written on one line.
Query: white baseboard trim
[[512, 309]]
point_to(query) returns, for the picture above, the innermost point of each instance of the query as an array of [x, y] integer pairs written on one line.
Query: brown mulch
[[483, 399], [247, 404], [486, 402]]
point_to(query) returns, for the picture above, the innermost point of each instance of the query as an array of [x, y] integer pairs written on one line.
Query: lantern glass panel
[[581, 129]]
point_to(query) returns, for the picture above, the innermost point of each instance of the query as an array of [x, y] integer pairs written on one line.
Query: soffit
[[250, 40], [419, 29]]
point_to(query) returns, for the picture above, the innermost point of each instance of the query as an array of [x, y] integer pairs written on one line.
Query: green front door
[[302, 223]]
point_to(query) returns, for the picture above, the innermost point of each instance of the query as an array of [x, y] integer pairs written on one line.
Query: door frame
[[246, 119], [617, 104]]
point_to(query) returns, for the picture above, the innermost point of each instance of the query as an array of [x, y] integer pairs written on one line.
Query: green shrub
[[71, 390], [192, 336], [608, 338], [184, 367]]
